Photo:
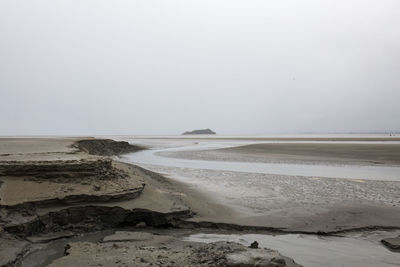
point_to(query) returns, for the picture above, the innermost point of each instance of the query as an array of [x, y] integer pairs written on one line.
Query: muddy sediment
[[86, 191], [305, 153], [392, 243], [94, 218], [76, 193], [73, 193], [145, 249], [106, 147]]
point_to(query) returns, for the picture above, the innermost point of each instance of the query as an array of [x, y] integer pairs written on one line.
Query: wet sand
[[323, 152], [289, 202], [218, 199], [53, 189], [311, 153], [49, 187]]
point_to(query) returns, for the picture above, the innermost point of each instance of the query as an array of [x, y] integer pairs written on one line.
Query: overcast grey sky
[[164, 67]]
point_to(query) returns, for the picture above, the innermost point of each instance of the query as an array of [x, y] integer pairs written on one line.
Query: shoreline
[[333, 138]]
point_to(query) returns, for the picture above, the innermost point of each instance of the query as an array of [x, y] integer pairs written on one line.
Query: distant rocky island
[[202, 131]]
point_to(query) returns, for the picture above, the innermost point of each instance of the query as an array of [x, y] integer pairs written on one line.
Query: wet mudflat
[[291, 195], [312, 197], [315, 218]]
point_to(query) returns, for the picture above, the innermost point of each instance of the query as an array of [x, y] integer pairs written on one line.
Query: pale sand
[[36, 149], [335, 152]]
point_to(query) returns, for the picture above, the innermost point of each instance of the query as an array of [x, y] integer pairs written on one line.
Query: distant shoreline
[[254, 138]]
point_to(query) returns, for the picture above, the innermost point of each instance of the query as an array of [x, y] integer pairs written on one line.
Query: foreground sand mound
[[49, 187], [45, 183], [145, 249]]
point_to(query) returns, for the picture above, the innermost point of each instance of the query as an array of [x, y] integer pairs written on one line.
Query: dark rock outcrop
[[254, 245], [106, 147], [392, 243], [203, 131]]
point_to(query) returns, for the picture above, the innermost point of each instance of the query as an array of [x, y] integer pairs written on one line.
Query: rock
[[254, 245], [392, 243], [66, 248], [203, 131]]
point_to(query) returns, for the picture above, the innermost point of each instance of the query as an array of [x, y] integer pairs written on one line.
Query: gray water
[[41, 255]]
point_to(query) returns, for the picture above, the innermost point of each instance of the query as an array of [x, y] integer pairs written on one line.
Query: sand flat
[[351, 153], [373, 153]]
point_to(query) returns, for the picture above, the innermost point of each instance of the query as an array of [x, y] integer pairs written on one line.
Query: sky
[[164, 67]]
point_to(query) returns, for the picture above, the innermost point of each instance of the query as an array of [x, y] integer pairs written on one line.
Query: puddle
[[43, 254]]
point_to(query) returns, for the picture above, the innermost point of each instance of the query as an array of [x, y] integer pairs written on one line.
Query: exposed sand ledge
[[65, 182], [51, 185]]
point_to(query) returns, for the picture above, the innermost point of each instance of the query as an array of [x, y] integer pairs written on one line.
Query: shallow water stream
[[154, 157]]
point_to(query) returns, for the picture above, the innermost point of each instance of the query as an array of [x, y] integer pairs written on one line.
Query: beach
[[57, 188]]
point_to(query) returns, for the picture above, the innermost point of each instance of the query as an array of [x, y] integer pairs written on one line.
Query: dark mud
[[106, 147]]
